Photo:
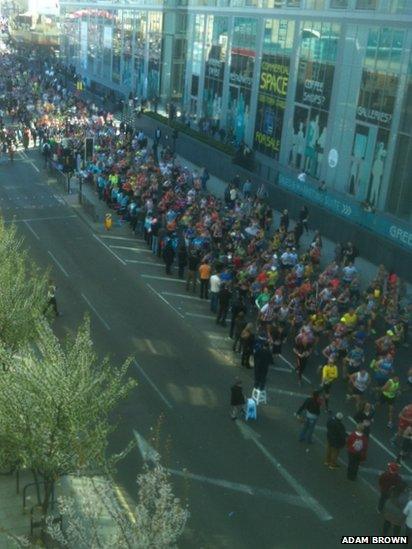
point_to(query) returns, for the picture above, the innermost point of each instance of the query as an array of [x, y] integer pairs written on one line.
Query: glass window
[[215, 60], [315, 4], [127, 47], [400, 190], [273, 85], [366, 4], [374, 112], [140, 40], [241, 66], [401, 6], [155, 47], [316, 70], [339, 4], [117, 47]]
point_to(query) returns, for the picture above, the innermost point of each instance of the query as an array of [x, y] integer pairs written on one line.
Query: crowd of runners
[[261, 282]]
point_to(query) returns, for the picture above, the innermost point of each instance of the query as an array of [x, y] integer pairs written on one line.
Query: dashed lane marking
[[153, 385], [102, 320]]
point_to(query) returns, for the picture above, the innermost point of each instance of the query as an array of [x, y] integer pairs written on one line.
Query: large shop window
[[215, 61], [155, 47], [316, 71], [241, 66], [374, 112], [339, 4], [400, 189], [366, 4], [273, 86]]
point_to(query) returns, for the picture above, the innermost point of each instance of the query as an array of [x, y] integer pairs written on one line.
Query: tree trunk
[[48, 490]]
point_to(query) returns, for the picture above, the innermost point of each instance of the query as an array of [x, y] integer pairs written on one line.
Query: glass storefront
[[316, 68], [271, 82], [273, 85], [215, 62], [241, 66], [374, 113]]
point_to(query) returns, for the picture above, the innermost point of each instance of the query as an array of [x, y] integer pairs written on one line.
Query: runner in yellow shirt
[[329, 375]]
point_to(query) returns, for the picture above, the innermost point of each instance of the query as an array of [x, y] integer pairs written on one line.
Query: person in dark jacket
[[284, 220], [263, 359], [192, 268], [297, 232], [387, 481], [310, 411], [224, 302], [304, 217], [336, 439], [239, 326], [237, 399], [181, 260], [237, 306], [247, 338], [168, 257]]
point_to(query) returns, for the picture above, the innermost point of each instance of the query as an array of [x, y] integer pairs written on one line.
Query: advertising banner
[[273, 86]]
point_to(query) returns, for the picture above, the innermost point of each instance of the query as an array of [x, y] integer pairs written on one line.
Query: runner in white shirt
[[359, 382]]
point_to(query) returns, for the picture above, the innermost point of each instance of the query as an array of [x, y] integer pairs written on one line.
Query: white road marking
[[25, 157], [280, 369], [288, 393], [310, 501], [286, 361], [102, 320], [379, 443], [32, 230], [147, 452], [153, 385], [183, 296], [63, 270], [114, 237], [243, 488], [130, 249], [139, 262], [39, 219], [169, 278], [150, 346], [198, 315], [109, 249], [59, 199], [212, 335], [164, 300]]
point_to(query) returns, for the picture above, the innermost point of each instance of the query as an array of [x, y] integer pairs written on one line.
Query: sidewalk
[[82, 490]]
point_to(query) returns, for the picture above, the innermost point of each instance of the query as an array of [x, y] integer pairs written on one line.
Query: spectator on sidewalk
[[215, 286], [192, 270], [168, 256], [204, 275]]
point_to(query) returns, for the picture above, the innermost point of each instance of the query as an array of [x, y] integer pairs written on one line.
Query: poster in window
[[273, 86]]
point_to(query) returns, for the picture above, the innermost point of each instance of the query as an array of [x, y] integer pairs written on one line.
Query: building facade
[[323, 86]]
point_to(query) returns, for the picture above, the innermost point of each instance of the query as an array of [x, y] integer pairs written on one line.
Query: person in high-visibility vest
[[388, 395], [108, 221]]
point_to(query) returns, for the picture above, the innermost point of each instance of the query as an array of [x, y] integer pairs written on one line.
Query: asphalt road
[[245, 486]]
